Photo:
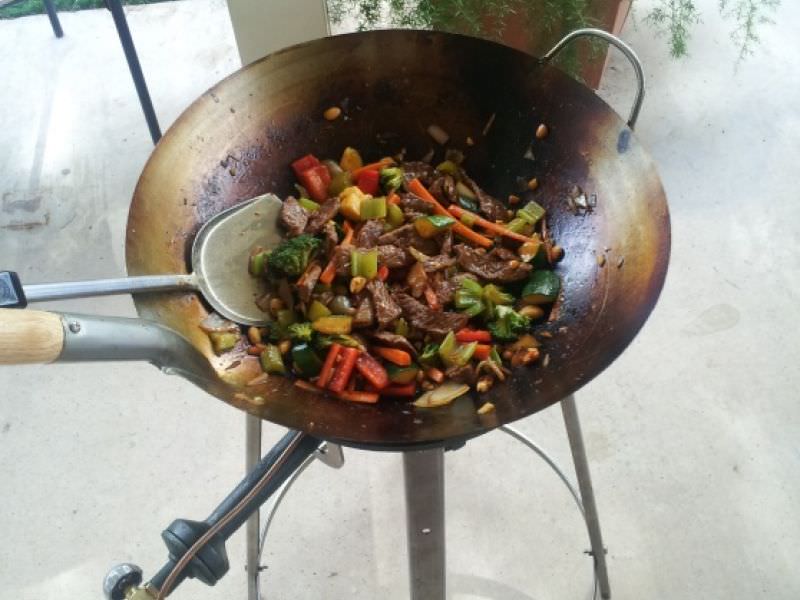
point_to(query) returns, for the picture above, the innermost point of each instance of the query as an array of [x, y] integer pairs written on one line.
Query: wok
[[236, 141]]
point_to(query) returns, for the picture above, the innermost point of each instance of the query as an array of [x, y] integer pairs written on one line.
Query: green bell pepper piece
[[271, 360], [305, 360], [394, 215]]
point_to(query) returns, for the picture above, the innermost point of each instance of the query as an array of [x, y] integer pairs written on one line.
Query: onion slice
[[442, 395]]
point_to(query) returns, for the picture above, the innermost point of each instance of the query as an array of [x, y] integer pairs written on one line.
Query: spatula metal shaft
[[41, 292]]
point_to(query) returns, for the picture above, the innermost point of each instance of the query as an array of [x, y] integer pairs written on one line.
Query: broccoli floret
[[301, 332], [292, 256], [508, 324], [391, 179]]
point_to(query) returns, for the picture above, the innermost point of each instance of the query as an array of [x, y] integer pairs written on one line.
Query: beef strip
[[414, 204], [447, 243], [418, 170], [341, 258], [386, 309], [305, 285], [489, 267], [405, 236], [365, 315], [465, 374], [393, 257], [331, 238], [293, 216], [500, 253], [387, 338], [444, 189], [422, 317], [438, 262], [370, 232], [326, 211], [493, 209], [445, 288]]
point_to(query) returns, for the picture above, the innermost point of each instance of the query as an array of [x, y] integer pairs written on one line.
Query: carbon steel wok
[[237, 140]]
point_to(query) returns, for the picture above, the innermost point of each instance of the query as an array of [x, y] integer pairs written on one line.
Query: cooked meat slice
[[365, 315], [401, 235], [445, 288], [318, 218], [438, 262], [305, 285], [447, 243], [422, 317], [500, 253], [393, 256], [418, 170], [386, 309], [491, 208], [465, 374], [324, 297], [414, 204], [444, 189], [406, 236], [293, 216], [489, 267], [370, 232], [387, 338], [331, 238], [341, 256]]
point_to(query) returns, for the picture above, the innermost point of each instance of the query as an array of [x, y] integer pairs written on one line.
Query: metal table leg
[[424, 483], [252, 457], [53, 15], [587, 494], [115, 6]]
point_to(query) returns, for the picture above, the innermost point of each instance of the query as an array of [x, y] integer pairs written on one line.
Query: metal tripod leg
[[424, 483], [252, 456], [587, 493]]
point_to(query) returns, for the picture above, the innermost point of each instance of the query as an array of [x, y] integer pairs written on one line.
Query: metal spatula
[[220, 255]]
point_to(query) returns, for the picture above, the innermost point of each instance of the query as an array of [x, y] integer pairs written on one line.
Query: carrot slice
[[393, 198], [457, 212], [467, 335], [393, 355], [409, 389], [327, 367], [482, 351], [416, 188], [376, 166], [353, 396]]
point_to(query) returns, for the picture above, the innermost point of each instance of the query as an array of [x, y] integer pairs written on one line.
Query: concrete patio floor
[[692, 434]]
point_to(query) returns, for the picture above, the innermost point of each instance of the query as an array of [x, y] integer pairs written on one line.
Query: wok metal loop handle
[[622, 47]]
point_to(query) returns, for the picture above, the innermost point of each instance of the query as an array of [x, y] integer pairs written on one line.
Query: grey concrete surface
[[691, 434]]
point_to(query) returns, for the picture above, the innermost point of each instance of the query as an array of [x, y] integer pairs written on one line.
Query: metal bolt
[[74, 327]]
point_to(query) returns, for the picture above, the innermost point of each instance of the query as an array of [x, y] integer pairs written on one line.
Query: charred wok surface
[[237, 139]]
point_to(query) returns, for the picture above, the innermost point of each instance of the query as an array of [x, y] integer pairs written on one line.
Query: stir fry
[[401, 280]]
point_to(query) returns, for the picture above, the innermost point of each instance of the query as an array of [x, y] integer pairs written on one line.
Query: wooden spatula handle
[[30, 336]]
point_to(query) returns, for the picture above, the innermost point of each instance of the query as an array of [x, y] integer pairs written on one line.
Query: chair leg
[[252, 456], [578, 449], [115, 6], [54, 22]]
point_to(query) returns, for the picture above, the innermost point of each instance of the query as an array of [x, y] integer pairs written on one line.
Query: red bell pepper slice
[[316, 180], [383, 272], [372, 371], [473, 335], [482, 351], [301, 165], [344, 369], [369, 182]]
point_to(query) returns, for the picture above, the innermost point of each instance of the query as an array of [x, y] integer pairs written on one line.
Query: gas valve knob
[[120, 579]]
